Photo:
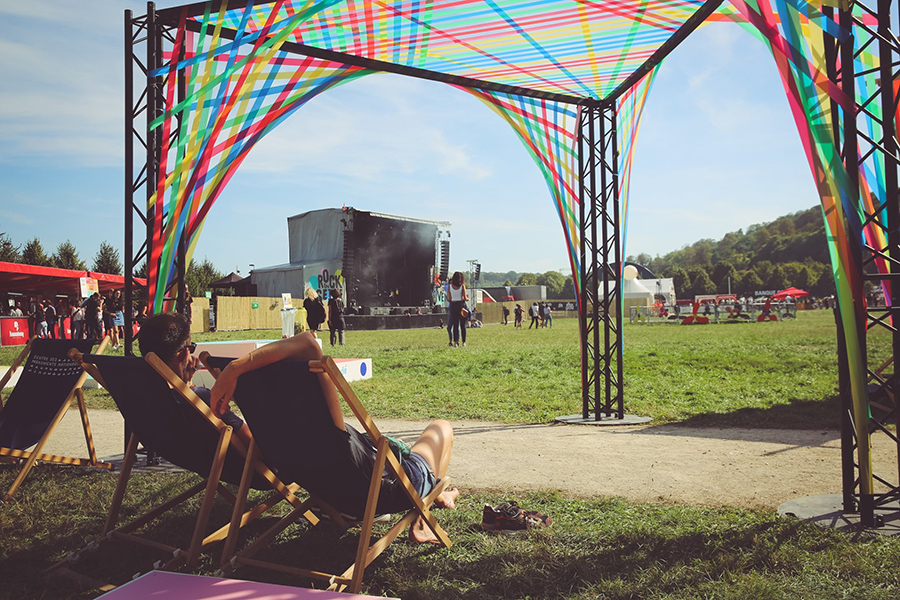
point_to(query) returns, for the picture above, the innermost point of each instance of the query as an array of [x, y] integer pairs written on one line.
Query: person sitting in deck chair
[[168, 335], [429, 458]]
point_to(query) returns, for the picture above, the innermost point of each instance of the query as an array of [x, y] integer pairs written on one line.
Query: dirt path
[[667, 463]]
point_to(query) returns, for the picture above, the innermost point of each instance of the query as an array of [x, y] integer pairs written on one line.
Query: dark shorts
[[419, 473]]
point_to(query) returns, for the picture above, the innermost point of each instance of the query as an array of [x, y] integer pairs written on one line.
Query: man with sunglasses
[[168, 335]]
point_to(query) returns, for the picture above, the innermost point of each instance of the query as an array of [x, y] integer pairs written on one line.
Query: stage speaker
[[477, 271], [445, 259]]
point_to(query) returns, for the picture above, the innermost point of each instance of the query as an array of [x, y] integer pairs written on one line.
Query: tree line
[[198, 276], [789, 251], [106, 260]]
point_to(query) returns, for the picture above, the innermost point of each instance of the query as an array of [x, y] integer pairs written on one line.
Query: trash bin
[[287, 322]]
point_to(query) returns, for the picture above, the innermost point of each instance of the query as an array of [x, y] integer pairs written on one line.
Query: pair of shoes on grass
[[510, 516]]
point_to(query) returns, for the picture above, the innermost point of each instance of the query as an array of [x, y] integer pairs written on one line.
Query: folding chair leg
[[365, 535], [237, 514], [121, 484], [209, 497], [86, 426]]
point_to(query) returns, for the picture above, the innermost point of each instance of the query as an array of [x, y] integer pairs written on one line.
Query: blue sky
[[718, 151]]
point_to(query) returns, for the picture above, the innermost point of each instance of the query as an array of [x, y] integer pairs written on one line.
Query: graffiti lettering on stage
[[325, 283]]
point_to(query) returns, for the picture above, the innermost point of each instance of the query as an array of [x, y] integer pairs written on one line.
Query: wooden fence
[[235, 313]]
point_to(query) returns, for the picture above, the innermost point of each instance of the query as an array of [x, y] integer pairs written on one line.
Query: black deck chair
[[282, 403], [41, 398], [184, 431]]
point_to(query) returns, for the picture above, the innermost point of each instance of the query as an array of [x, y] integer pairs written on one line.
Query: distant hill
[[789, 251]]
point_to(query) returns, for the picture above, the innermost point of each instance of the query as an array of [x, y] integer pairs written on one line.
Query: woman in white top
[[458, 298]]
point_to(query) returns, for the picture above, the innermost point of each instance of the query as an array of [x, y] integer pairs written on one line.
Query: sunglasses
[[191, 347]]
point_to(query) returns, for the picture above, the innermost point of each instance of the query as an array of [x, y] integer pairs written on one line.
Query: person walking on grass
[[315, 311], [456, 291], [534, 314], [336, 322]]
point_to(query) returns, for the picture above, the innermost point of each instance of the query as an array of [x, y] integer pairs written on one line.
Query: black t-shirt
[[91, 308]]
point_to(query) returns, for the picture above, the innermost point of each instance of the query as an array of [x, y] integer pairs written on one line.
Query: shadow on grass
[[796, 414]]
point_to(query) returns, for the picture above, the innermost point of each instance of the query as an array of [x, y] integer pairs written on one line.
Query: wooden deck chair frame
[[30, 457], [209, 487], [351, 579]]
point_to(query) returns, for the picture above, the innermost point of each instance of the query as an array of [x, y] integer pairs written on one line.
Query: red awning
[[791, 291], [31, 279]]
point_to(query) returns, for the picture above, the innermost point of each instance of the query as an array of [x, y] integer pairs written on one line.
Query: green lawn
[[763, 375], [755, 374], [602, 548]]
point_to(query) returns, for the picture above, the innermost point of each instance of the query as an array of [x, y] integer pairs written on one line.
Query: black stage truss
[[600, 319]]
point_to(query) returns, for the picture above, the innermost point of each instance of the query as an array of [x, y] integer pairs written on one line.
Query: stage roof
[[566, 50], [45, 281]]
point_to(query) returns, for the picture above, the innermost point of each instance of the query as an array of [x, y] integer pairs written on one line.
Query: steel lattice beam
[[871, 152], [151, 33], [601, 314]]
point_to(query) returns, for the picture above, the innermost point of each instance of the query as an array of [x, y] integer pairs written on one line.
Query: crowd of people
[[540, 313], [88, 318]]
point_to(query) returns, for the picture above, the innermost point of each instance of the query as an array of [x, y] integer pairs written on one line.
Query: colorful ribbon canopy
[[231, 75]]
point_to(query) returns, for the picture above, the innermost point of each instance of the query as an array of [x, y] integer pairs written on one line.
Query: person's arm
[[465, 293], [299, 347]]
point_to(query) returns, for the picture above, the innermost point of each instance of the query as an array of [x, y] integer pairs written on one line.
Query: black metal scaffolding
[[874, 151], [142, 170], [601, 309], [600, 245]]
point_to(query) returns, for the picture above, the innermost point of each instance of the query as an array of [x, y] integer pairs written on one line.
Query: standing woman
[[456, 291], [315, 311], [336, 322], [118, 311], [109, 319]]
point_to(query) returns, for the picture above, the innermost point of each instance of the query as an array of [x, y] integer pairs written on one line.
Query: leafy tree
[[680, 280], [107, 260], [66, 257], [554, 281], [824, 285], [507, 283], [720, 274], [33, 254], [527, 279], [199, 276], [9, 252], [803, 279], [141, 270], [750, 282], [777, 279], [700, 281], [642, 259], [568, 290]]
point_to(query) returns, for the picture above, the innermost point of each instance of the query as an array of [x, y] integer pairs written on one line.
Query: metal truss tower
[[871, 150], [142, 170], [600, 257]]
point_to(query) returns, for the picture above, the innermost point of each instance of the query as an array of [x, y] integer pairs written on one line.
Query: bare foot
[[447, 498], [420, 533]]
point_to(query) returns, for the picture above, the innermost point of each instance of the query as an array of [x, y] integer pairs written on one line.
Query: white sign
[[286, 301], [88, 286]]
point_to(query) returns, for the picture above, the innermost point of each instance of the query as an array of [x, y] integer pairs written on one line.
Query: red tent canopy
[[791, 291], [31, 279]]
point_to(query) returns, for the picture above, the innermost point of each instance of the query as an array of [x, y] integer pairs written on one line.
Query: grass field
[[602, 548], [762, 375], [756, 374]]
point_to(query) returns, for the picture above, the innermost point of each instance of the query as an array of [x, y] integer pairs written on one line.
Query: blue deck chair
[[50, 380], [181, 428], [281, 403]]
